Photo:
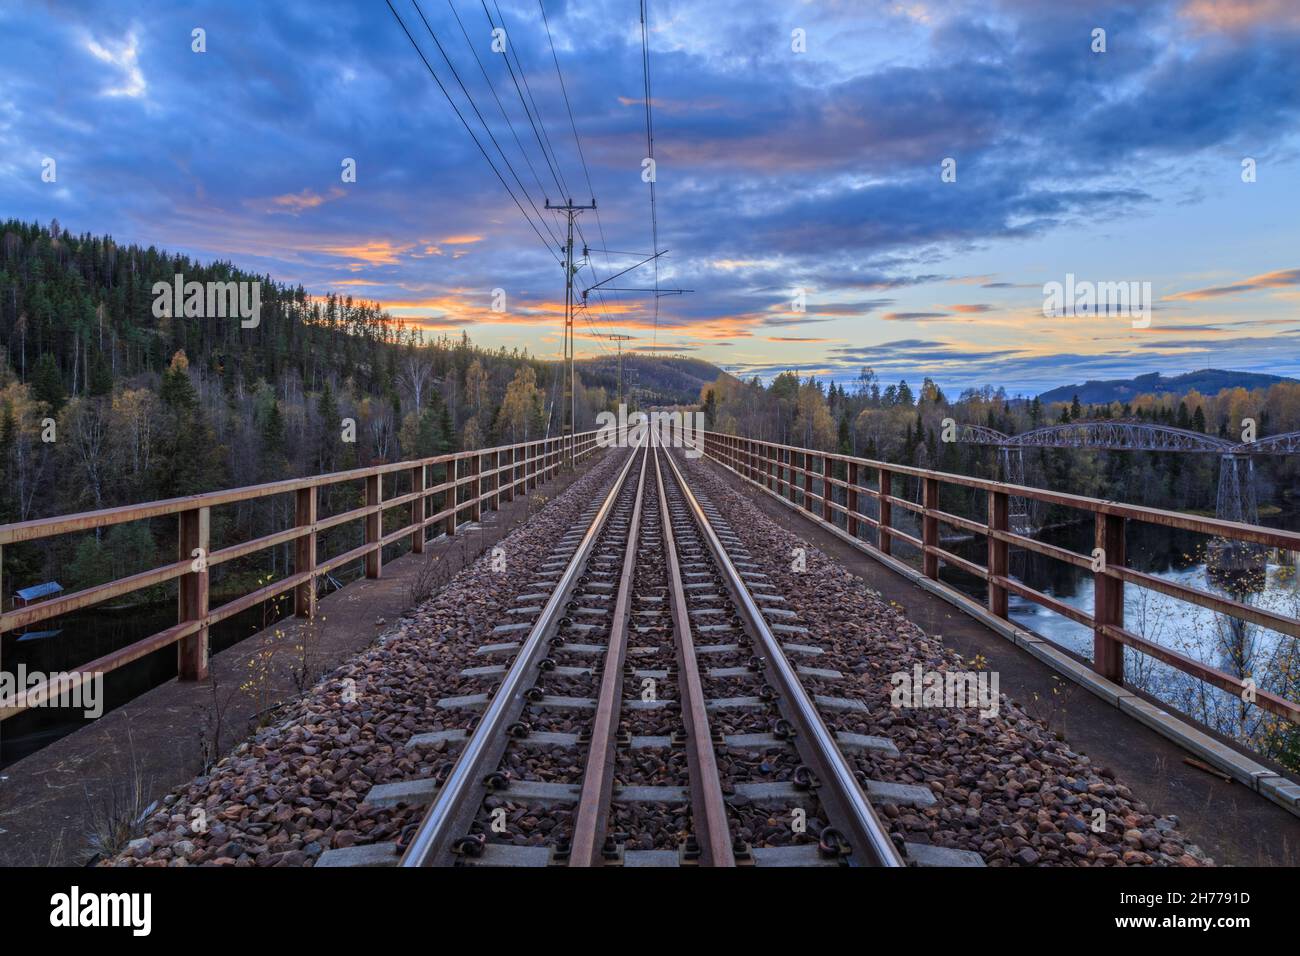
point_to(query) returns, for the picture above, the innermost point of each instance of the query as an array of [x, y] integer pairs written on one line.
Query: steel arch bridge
[[1129, 435], [1236, 499]]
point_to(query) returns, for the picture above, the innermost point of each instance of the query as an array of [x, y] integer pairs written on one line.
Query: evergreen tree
[[101, 377], [177, 391], [710, 409], [47, 383], [1198, 419]]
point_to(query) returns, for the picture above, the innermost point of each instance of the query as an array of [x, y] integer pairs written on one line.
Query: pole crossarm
[[623, 272], [659, 292]]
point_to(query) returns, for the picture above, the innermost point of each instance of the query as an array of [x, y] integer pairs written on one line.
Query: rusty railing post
[[1108, 598], [192, 593], [496, 480], [452, 498], [417, 510], [476, 488], [999, 512], [884, 540], [304, 552], [930, 528], [374, 526], [851, 499], [794, 478], [804, 468], [827, 491]]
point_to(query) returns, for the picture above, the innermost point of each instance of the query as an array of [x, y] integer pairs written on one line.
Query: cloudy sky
[[777, 170]]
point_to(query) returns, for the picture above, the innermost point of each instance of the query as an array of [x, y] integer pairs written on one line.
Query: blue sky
[[777, 170]]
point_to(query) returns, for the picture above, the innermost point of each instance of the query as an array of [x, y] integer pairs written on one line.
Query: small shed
[[37, 593]]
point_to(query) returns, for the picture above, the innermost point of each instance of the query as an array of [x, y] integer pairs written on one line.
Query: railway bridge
[[1236, 498], [675, 661]]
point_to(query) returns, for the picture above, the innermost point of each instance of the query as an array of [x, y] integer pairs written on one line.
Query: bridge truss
[[1236, 499]]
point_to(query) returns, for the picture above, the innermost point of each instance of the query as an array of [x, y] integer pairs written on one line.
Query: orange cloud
[[294, 203], [1241, 14], [1268, 280], [376, 252]]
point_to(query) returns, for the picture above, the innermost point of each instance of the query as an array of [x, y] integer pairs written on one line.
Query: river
[[1176, 556], [87, 635]]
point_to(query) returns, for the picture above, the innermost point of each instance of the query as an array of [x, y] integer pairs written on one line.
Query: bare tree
[[415, 376]]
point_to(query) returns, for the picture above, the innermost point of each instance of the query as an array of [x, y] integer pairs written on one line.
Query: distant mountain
[[653, 379], [1207, 381]]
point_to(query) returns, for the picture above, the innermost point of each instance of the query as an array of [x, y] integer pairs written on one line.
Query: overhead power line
[[500, 105], [428, 66], [543, 138], [650, 153], [581, 155], [474, 106]]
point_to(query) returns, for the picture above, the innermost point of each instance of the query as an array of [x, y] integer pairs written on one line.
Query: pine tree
[[327, 410], [101, 377], [47, 383], [176, 391], [710, 409]]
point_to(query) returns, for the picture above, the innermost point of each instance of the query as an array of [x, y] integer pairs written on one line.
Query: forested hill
[[651, 379], [1207, 381], [151, 406]]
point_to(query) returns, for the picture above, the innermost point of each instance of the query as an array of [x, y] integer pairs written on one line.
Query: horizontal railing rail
[[779, 469], [474, 479]]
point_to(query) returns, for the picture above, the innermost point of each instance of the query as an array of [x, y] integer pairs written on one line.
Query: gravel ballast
[[1005, 786]]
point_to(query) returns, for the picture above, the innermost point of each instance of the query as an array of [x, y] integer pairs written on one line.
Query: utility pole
[[620, 339], [571, 406]]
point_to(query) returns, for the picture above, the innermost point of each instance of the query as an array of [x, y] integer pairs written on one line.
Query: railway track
[[651, 712]]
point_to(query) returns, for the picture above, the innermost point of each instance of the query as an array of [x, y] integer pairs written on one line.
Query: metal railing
[[473, 479], [803, 477]]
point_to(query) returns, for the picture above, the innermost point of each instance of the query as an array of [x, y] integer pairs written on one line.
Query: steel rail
[[431, 843], [842, 796], [708, 807], [587, 844]]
